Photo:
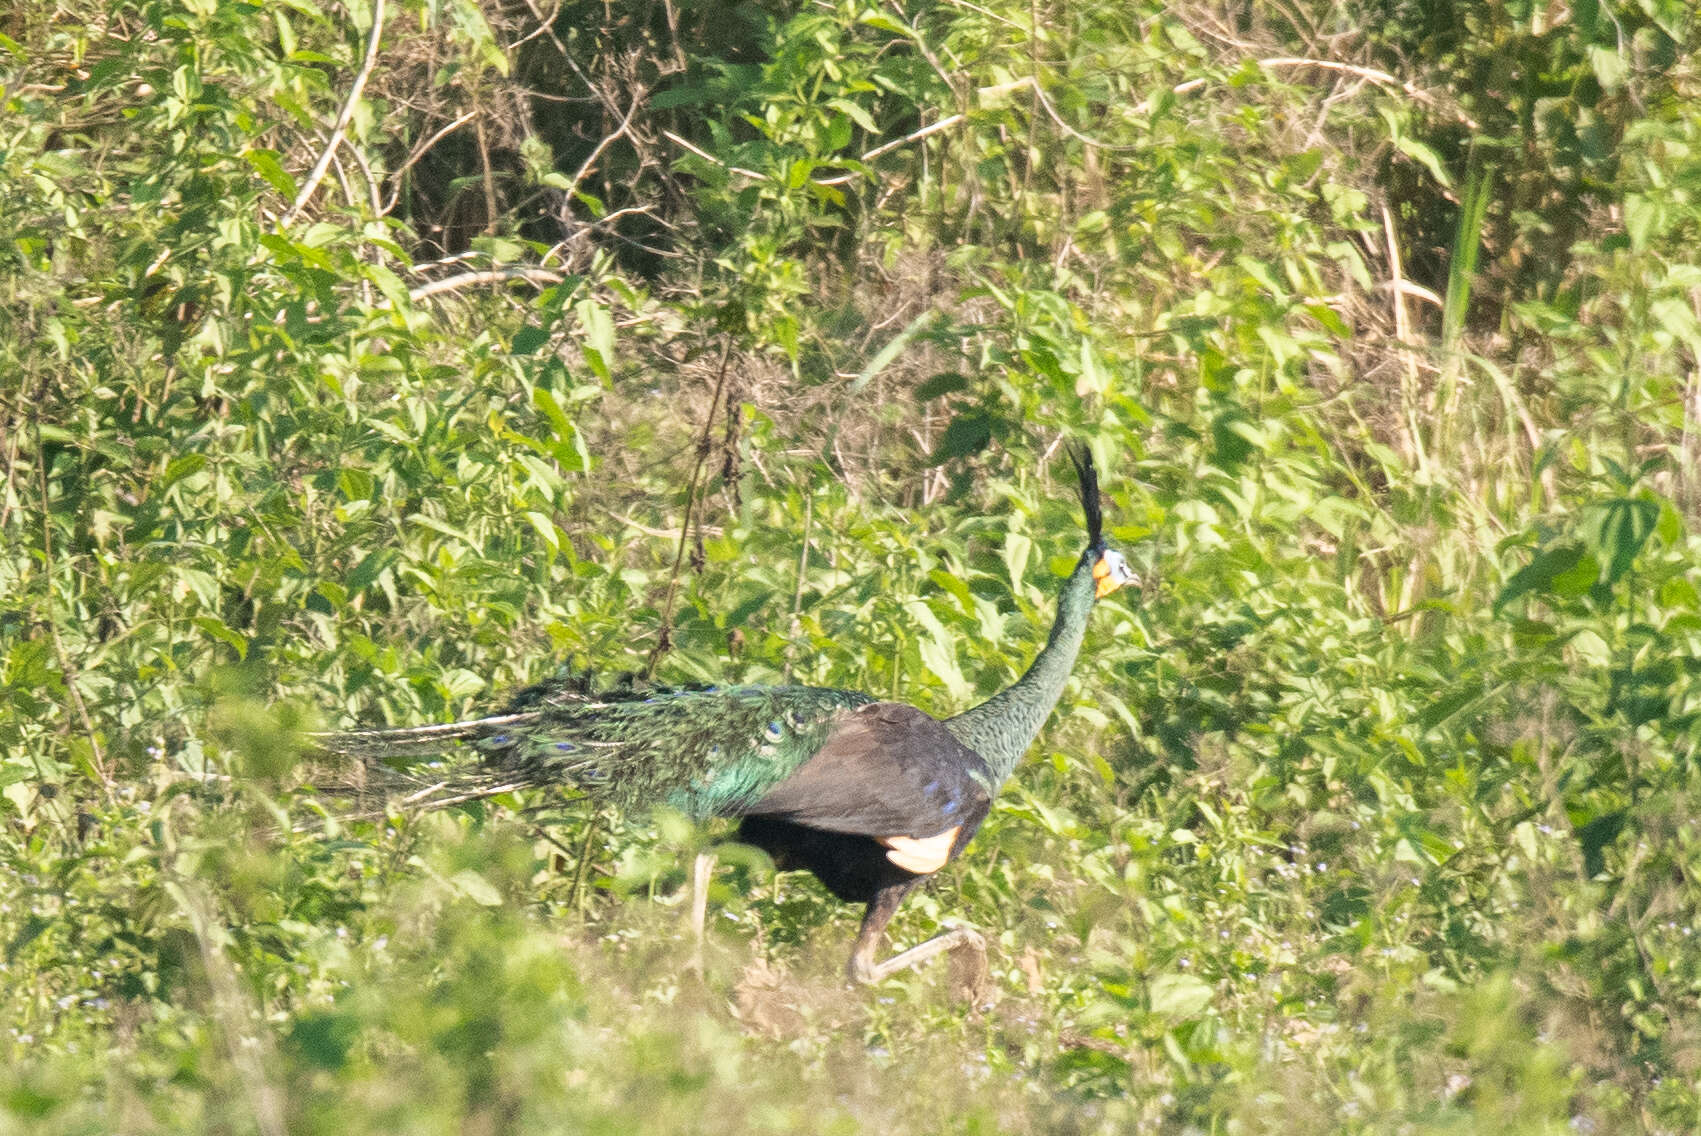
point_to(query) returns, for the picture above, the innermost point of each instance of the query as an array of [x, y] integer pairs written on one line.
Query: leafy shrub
[[734, 342]]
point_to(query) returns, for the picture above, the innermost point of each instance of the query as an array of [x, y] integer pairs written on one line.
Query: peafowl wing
[[886, 770]]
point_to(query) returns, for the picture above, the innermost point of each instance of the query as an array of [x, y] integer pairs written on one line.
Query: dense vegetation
[[362, 364]]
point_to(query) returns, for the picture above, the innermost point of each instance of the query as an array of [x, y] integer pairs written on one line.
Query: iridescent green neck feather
[[1003, 727]]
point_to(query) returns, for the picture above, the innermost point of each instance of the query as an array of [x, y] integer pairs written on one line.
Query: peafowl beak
[[1110, 572]]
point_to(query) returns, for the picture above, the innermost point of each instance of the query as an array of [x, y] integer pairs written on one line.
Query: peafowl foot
[[864, 969]]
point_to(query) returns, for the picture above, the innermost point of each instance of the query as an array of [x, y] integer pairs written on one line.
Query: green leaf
[[545, 528], [883, 358], [1579, 580], [1092, 378], [592, 202], [1017, 549], [938, 649], [30, 1103], [1538, 575], [1609, 66], [369, 568], [682, 96], [1595, 837], [1446, 706], [877, 19], [942, 383], [1418, 151], [181, 467], [1622, 528], [204, 586], [476, 888], [598, 329], [390, 284], [1179, 996], [216, 628], [323, 1040], [855, 113], [967, 434], [266, 163], [528, 340], [356, 484], [1644, 218], [460, 683]]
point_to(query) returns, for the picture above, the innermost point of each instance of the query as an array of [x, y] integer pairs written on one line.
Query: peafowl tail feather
[[705, 750]]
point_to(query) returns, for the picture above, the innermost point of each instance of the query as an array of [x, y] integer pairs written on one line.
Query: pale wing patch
[[922, 855]]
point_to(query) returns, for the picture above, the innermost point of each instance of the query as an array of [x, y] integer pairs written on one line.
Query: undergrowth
[[738, 343]]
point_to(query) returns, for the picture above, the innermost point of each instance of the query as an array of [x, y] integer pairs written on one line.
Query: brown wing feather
[[888, 770]]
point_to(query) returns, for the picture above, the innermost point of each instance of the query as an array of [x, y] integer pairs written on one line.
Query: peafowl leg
[[701, 869], [863, 968]]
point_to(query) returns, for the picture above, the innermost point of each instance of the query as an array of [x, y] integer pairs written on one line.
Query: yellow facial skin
[[1110, 572]]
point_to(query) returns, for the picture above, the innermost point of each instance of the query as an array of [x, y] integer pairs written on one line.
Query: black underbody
[[852, 867]]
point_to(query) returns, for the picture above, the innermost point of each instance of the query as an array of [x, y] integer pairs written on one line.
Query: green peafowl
[[872, 797]]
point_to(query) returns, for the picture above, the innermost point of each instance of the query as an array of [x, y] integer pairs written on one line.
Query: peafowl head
[[1110, 567]]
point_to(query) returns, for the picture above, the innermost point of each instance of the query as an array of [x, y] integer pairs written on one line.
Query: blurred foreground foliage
[[736, 340]]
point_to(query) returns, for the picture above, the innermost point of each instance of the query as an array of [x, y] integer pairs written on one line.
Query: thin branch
[[311, 185], [1415, 291], [991, 15], [478, 794], [582, 863], [1371, 74], [660, 534], [573, 186], [837, 179], [943, 124], [673, 34], [708, 157], [1382, 78], [597, 93], [14, 438], [413, 798], [1402, 321], [920, 42], [887, 147], [419, 152], [628, 211], [451, 258], [665, 639], [359, 157], [542, 277], [1051, 111], [546, 25], [488, 176]]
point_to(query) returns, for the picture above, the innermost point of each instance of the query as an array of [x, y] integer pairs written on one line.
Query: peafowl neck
[[1001, 728]]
